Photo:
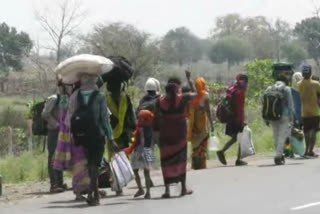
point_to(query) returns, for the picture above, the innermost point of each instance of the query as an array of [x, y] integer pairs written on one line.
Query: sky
[[157, 16]]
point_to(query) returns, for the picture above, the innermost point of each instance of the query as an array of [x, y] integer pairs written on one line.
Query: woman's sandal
[[80, 198], [102, 193]]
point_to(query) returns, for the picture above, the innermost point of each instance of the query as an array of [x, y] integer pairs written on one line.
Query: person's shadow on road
[[83, 205], [273, 165]]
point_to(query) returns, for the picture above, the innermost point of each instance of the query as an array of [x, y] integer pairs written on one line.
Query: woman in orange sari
[[200, 122]]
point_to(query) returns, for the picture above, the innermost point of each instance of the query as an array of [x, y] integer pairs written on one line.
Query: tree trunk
[[229, 65], [2, 86], [317, 60], [10, 140]]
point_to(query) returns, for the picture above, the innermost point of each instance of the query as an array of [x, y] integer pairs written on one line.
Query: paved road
[[256, 189]]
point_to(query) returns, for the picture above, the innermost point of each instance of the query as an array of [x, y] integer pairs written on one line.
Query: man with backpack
[[309, 91], [51, 115], [235, 124], [278, 110]]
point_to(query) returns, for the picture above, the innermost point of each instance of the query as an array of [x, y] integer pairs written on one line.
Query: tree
[[281, 33], [125, 40], [294, 53], [231, 50], [61, 22], [180, 46], [14, 46], [265, 38], [316, 9], [309, 31], [257, 31], [229, 25]]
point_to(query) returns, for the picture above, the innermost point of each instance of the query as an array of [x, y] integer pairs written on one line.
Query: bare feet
[[166, 195], [186, 192], [147, 195]]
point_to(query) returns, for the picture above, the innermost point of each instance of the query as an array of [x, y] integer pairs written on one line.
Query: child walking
[[142, 148]]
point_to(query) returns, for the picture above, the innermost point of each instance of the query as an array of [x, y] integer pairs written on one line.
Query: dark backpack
[[147, 104], [84, 128], [224, 109], [39, 125], [272, 104]]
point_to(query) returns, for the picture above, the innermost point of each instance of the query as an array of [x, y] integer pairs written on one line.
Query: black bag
[[84, 128], [224, 109], [39, 125], [122, 71], [104, 175], [148, 104], [278, 69], [272, 106]]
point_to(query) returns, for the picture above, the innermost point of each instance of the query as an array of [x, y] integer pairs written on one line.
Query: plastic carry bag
[[298, 146], [213, 143], [246, 143], [122, 172]]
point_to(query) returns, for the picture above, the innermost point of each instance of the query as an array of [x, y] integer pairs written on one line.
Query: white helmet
[[152, 84]]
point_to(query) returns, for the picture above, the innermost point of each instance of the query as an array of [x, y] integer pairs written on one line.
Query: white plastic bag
[[213, 143], [122, 172], [83, 63], [246, 143]]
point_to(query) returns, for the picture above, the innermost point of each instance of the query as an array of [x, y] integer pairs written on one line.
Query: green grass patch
[[26, 167]]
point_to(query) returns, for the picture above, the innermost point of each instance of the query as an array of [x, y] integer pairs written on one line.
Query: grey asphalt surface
[[259, 188]]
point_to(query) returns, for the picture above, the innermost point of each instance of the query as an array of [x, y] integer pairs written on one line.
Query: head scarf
[[306, 71], [172, 98], [297, 77], [145, 118], [201, 91], [241, 81]]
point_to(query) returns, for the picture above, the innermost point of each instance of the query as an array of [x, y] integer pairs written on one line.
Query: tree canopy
[[181, 46], [231, 50], [14, 46], [128, 41], [309, 31]]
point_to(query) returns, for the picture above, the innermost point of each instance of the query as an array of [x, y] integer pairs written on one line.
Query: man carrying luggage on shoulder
[[309, 91], [278, 110], [51, 115]]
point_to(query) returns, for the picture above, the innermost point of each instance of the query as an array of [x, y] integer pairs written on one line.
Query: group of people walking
[[168, 121]]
